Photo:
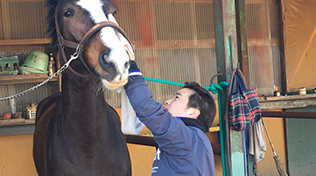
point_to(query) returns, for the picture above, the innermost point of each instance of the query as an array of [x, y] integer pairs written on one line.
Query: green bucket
[[36, 60]]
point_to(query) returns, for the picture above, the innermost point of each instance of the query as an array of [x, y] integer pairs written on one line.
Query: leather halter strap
[[79, 46]]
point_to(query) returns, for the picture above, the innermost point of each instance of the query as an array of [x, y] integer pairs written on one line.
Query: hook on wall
[[218, 74]]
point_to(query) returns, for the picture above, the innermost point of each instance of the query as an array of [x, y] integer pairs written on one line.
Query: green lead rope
[[214, 88], [163, 81]]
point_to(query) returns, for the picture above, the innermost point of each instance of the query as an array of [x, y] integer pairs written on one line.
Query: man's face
[[177, 105]]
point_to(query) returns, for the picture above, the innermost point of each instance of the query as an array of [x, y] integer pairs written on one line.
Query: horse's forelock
[[52, 5], [108, 4]]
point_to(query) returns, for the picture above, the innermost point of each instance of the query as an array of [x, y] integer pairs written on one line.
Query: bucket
[[36, 62]]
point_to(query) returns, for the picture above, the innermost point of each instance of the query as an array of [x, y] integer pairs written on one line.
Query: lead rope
[[63, 68]]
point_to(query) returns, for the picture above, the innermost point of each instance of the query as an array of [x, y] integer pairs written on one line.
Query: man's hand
[[133, 69], [134, 73]]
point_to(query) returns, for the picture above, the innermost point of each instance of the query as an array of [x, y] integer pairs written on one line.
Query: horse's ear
[[51, 3]]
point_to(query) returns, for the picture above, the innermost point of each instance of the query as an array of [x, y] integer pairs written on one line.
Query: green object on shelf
[[7, 65], [36, 62]]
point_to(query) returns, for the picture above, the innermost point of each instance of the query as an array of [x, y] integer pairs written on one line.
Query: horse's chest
[[81, 154]]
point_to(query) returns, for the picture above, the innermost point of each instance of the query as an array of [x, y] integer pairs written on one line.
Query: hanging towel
[[130, 124], [260, 141]]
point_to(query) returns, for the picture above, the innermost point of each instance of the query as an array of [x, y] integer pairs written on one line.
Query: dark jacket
[[182, 150]]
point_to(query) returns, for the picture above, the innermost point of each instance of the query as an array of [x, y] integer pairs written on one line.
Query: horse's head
[[104, 50]]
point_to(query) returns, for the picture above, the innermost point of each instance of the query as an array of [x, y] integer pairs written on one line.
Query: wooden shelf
[[288, 102], [22, 79], [38, 41], [11, 122], [16, 126]]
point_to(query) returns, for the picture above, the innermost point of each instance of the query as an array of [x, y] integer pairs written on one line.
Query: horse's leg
[[43, 114]]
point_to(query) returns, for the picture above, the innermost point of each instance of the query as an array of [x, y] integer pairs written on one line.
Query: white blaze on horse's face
[[110, 39]]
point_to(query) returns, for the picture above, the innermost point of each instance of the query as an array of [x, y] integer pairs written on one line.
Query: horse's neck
[[84, 106]]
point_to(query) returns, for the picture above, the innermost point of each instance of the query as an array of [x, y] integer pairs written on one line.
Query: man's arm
[[165, 128]]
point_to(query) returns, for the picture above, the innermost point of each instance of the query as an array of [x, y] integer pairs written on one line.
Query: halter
[[79, 46]]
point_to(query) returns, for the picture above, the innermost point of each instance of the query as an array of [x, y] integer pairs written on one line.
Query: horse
[[76, 131]]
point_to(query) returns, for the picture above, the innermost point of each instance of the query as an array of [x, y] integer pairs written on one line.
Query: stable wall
[[16, 154], [299, 42], [16, 157]]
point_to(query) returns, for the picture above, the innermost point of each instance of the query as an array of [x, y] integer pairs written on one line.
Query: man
[[179, 127]]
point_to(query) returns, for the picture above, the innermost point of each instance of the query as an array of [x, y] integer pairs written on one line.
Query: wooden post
[[228, 45]]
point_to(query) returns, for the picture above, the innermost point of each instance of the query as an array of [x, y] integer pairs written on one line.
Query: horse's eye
[[69, 13]]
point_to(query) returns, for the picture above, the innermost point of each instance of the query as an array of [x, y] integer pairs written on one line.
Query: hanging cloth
[[244, 110], [258, 138], [130, 124]]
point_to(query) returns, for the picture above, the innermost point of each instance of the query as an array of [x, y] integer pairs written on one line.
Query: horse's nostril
[[127, 64], [104, 61], [105, 53]]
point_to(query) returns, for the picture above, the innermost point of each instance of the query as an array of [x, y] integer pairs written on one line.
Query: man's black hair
[[203, 101]]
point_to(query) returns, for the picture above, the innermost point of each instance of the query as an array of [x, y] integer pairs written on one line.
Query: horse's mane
[[52, 7]]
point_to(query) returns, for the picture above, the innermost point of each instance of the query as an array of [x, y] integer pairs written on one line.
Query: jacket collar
[[194, 122]]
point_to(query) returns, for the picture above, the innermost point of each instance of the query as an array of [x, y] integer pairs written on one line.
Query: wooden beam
[[141, 140], [161, 44], [149, 141], [17, 129], [288, 102], [200, 43], [196, 1], [287, 114], [21, 79], [26, 0], [15, 122], [38, 41]]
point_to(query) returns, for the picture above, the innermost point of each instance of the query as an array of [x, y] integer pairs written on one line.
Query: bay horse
[[77, 133]]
